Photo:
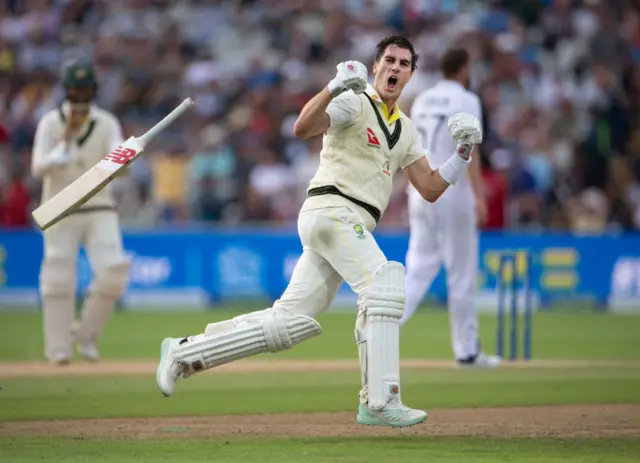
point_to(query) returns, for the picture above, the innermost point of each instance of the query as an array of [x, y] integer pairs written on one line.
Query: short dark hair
[[452, 61], [400, 42]]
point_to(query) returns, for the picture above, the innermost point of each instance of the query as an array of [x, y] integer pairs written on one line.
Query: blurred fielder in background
[[68, 141], [366, 140], [447, 231]]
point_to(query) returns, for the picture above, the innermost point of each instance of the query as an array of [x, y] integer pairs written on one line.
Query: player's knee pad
[[58, 276], [250, 334], [111, 280], [378, 335]]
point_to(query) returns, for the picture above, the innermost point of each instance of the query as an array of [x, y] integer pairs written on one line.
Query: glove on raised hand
[[467, 131], [351, 75]]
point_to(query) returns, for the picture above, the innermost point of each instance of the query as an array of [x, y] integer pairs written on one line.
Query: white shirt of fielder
[[445, 233]]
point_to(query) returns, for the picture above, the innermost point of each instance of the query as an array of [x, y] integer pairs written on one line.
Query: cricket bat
[[95, 179]]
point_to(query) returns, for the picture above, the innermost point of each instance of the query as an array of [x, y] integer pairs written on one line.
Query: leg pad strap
[[256, 333]]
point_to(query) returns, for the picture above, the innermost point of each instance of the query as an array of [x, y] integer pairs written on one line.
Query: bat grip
[[164, 123]]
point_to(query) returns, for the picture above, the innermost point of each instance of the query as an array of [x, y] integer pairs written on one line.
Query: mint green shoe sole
[[365, 418], [164, 350]]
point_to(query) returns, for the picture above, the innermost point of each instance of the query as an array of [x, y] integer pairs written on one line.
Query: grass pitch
[[577, 401]]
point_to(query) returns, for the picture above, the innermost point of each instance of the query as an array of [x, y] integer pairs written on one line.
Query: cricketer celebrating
[[69, 141], [366, 140], [446, 231]]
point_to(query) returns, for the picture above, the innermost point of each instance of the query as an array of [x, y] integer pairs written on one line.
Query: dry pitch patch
[[580, 421], [557, 421], [42, 369]]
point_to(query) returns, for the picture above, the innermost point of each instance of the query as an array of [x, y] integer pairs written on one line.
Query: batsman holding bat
[[69, 141], [366, 140]]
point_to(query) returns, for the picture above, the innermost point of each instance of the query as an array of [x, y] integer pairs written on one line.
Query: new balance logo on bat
[[121, 155]]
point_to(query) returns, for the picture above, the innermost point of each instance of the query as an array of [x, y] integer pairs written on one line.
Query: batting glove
[[60, 156], [351, 75], [467, 131]]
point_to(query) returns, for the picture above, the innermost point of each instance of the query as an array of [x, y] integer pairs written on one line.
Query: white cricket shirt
[[364, 147]]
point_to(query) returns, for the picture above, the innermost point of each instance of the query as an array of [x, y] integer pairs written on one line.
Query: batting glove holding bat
[[351, 75], [467, 131]]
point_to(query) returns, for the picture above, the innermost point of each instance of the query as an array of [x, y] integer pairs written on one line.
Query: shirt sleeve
[[344, 110], [415, 152], [44, 148]]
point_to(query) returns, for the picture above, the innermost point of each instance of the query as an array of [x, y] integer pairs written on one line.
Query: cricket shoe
[[60, 358], [393, 415], [89, 351], [481, 360], [169, 370]]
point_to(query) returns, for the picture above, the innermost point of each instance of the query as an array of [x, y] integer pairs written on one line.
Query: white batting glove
[[467, 131], [351, 75], [60, 156], [60, 161]]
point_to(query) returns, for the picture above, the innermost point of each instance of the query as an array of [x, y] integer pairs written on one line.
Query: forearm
[[313, 119], [430, 183], [433, 185]]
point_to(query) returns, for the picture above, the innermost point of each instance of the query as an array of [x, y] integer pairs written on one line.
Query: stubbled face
[[392, 72]]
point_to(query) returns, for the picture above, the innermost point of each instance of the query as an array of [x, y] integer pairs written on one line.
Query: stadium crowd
[[559, 81]]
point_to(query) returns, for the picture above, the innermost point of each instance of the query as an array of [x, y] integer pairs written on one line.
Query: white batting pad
[[378, 336], [256, 333]]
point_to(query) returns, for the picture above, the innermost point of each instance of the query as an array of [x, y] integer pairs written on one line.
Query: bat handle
[[164, 123]]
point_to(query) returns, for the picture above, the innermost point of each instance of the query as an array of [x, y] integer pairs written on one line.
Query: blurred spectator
[[14, 202], [496, 187], [137, 208], [559, 82], [272, 181], [212, 175], [589, 211]]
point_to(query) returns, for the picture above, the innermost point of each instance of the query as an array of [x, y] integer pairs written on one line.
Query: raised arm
[[46, 153], [319, 113], [313, 119], [427, 181], [431, 183]]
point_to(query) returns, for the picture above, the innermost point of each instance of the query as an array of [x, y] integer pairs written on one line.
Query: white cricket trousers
[[337, 245], [99, 232], [445, 232]]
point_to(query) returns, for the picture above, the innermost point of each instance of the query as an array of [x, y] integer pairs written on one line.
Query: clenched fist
[[467, 131], [351, 75], [465, 128]]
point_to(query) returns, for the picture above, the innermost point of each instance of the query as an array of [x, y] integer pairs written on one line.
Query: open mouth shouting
[[392, 81]]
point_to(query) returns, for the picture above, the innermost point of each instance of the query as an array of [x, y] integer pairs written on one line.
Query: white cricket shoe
[[481, 360], [89, 351], [169, 369], [394, 415], [60, 358]]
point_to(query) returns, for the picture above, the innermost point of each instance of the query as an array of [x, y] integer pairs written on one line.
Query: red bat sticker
[[121, 155]]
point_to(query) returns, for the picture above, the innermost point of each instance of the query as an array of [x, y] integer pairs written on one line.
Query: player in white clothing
[[446, 231], [69, 140], [366, 140]]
